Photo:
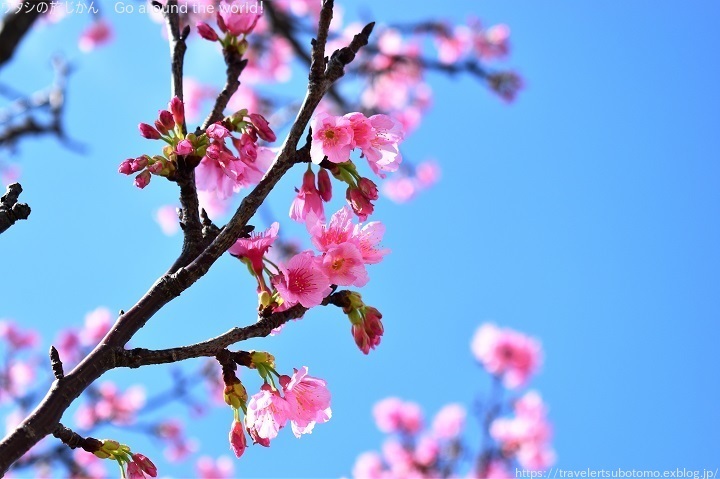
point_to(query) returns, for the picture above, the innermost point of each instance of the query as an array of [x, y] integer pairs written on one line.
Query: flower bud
[[139, 163], [369, 188], [178, 110], [262, 127], [126, 167], [262, 357], [235, 395], [207, 32], [145, 464], [184, 147], [359, 203], [142, 180], [167, 120], [238, 442], [324, 185], [148, 131]]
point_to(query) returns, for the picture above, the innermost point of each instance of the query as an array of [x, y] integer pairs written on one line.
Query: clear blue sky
[[586, 214]]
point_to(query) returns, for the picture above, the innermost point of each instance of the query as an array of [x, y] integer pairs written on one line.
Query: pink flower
[[332, 136], [222, 468], [300, 281], [134, 471], [493, 43], [400, 190], [237, 439], [363, 131], [184, 147], [382, 153], [427, 173], [393, 415], [344, 265], [506, 353], [17, 338], [255, 247], [340, 230], [453, 46], [427, 450], [368, 465], [308, 399], [307, 200], [239, 17], [167, 218], [97, 34], [217, 131], [267, 413], [97, 323], [449, 421], [219, 171]]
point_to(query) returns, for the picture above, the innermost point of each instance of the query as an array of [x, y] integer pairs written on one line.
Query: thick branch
[[10, 210], [14, 26], [104, 357]]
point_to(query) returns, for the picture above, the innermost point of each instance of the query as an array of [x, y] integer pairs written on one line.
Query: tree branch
[[135, 358], [43, 420], [10, 210], [14, 26]]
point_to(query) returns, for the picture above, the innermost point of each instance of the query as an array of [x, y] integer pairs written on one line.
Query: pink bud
[[160, 127], [368, 188], [149, 132], [134, 471], [308, 180], [126, 167], [359, 203], [207, 32], [145, 464], [217, 131], [142, 180], [237, 439], [263, 127], [166, 118], [178, 110], [156, 167], [324, 185], [139, 163], [184, 147]]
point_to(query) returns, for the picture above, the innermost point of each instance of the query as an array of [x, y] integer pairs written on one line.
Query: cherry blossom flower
[[332, 136], [393, 415], [240, 16], [344, 265], [301, 281], [308, 200], [449, 421], [97, 34], [255, 247], [308, 399], [267, 413], [221, 468], [506, 353], [167, 218]]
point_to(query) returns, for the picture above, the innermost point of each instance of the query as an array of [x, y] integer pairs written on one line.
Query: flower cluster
[[505, 353], [219, 170], [138, 466], [301, 400], [519, 440]]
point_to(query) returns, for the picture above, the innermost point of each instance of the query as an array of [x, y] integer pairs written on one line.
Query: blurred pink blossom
[[506, 353], [97, 34], [166, 216]]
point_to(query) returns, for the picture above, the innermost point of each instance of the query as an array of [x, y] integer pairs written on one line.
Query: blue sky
[[585, 214]]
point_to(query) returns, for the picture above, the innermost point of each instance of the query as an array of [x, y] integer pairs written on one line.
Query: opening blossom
[[255, 247], [267, 413], [308, 200], [332, 137], [309, 401]]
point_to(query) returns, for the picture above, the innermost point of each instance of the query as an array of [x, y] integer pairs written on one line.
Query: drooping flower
[[332, 137], [145, 464], [309, 401], [307, 200], [262, 127], [267, 413], [301, 281], [255, 247], [383, 152]]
